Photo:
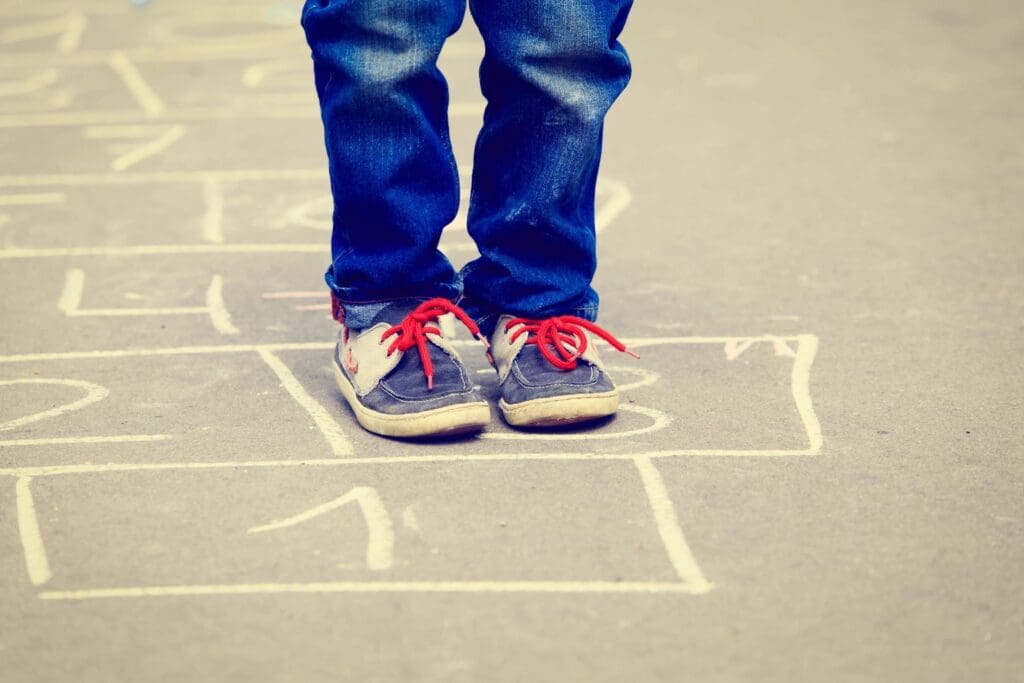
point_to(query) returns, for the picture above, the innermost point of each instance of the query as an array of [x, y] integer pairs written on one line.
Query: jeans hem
[[358, 313]]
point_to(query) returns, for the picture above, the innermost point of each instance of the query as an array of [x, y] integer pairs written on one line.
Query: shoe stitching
[[521, 378], [386, 390]]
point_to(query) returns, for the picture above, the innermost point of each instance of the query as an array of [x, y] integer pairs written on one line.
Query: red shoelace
[[566, 334], [414, 328]]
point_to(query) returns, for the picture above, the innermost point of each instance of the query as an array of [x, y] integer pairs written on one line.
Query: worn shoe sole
[[558, 411], [461, 418]]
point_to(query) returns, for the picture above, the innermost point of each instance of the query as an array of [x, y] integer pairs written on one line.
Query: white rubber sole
[[558, 411], [461, 418]]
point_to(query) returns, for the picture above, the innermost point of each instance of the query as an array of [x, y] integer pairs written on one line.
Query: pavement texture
[[811, 231]]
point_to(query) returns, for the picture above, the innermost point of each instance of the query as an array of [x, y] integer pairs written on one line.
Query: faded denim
[[551, 71]]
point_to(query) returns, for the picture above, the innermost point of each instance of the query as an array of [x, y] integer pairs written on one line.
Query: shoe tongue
[[395, 311]]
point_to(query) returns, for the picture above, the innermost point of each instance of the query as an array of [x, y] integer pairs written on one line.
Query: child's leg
[[393, 176], [551, 72]]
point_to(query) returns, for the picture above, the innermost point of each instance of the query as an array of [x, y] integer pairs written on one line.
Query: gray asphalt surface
[[810, 229]]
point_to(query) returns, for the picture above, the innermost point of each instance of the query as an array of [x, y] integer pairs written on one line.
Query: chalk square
[[458, 522]]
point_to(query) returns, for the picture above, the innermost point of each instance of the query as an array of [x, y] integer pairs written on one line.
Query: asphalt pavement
[[810, 229]]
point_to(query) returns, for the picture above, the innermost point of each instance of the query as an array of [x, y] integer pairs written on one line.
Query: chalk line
[[213, 218], [129, 74], [634, 342], [71, 295], [93, 393], [380, 543], [32, 199], [610, 209], [36, 562], [679, 553], [72, 440], [219, 315], [100, 468], [327, 425], [596, 587], [800, 386]]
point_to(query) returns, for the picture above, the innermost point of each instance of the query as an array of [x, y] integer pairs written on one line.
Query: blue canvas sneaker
[[403, 378], [549, 371]]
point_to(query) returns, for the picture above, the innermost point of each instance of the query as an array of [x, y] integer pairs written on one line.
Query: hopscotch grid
[[692, 580], [800, 389]]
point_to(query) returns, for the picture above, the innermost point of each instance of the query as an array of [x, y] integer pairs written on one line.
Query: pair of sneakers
[[403, 378]]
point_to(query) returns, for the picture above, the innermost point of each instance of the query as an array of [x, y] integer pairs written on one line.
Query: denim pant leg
[[551, 71], [393, 177]]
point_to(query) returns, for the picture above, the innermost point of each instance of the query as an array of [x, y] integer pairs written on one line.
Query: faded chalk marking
[[381, 535], [312, 213], [410, 521], [780, 347], [32, 199], [71, 295], [735, 347], [161, 137], [38, 80], [328, 426], [76, 440], [93, 394], [48, 470], [36, 562], [70, 302], [679, 553], [168, 351], [67, 27], [610, 209], [597, 587], [219, 315], [129, 74], [800, 386], [213, 218]]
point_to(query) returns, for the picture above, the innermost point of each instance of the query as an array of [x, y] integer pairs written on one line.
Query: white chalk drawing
[[135, 143], [149, 102], [66, 28], [93, 394], [691, 580], [32, 91], [380, 543], [70, 304]]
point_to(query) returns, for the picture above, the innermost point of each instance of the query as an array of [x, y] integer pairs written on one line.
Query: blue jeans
[[551, 71]]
